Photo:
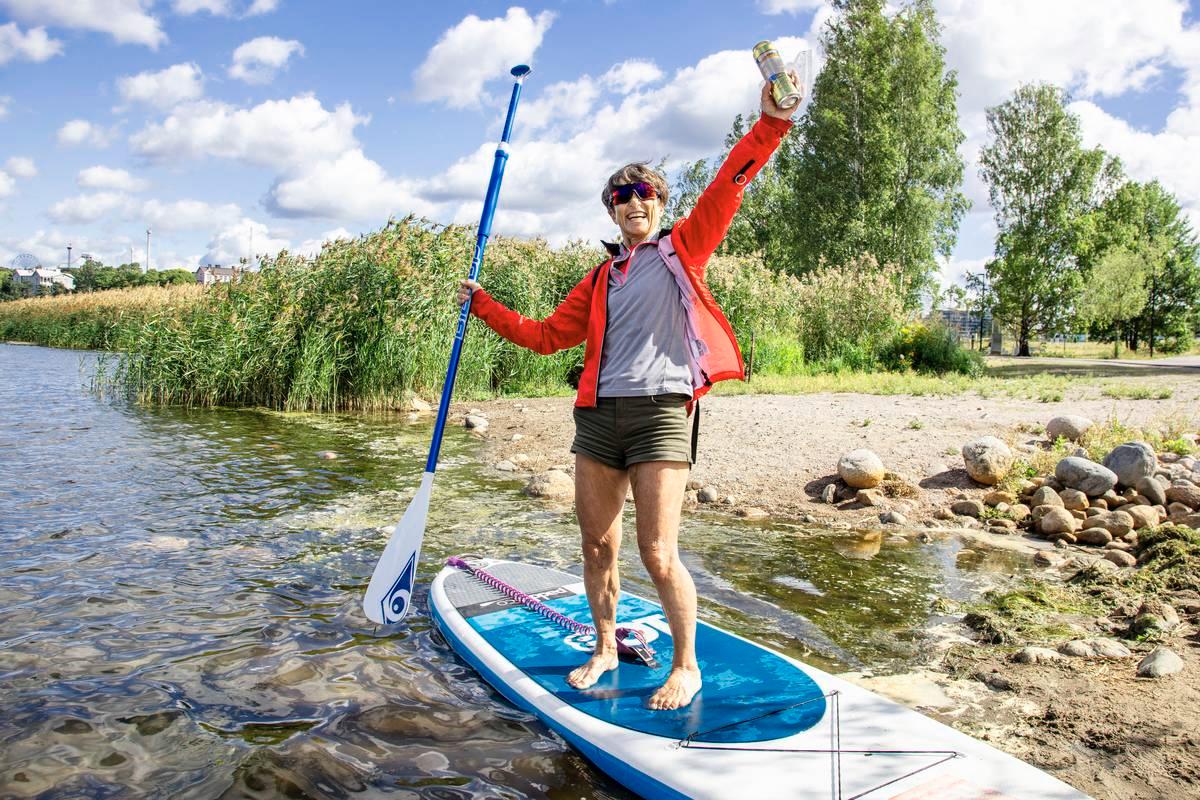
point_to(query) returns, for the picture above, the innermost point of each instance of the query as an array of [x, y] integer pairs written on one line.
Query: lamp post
[[68, 256], [147, 267]]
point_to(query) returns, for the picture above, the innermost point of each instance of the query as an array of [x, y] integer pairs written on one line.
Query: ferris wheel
[[25, 261]]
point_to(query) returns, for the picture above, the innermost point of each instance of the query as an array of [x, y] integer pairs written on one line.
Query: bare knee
[[601, 551], [660, 561]]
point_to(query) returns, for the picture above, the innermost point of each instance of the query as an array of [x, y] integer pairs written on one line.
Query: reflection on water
[[179, 606]]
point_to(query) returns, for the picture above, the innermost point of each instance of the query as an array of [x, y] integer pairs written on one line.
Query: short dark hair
[[637, 172]]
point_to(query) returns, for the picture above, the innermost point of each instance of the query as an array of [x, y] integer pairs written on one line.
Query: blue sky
[[288, 122]]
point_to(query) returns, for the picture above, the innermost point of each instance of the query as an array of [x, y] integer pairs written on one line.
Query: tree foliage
[[873, 167], [1041, 182], [1115, 291]]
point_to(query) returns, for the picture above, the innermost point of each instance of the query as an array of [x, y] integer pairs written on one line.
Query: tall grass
[[108, 320]]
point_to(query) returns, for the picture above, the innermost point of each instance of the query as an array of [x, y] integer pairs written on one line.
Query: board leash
[[638, 648]]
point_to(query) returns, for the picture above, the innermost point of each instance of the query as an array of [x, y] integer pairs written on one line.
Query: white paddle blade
[[389, 594]]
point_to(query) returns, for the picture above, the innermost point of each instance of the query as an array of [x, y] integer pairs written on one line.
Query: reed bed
[[107, 320]]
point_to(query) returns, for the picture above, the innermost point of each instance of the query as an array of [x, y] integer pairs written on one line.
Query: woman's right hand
[[465, 289]]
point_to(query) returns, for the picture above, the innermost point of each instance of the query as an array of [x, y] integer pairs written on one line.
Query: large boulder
[[1152, 490], [1068, 426], [861, 469], [988, 460], [1057, 520], [1087, 476], [1158, 663], [552, 485], [1131, 462]]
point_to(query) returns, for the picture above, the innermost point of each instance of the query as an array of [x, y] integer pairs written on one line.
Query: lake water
[[180, 602]]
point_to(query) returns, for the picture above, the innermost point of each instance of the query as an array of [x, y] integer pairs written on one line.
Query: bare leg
[[658, 488], [599, 499]]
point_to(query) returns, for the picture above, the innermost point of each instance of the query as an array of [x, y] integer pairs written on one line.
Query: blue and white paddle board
[[763, 726]]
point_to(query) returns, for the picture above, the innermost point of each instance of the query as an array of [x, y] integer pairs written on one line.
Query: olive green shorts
[[621, 431]]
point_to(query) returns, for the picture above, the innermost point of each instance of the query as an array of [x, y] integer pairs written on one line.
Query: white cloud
[[33, 45], [233, 242], [81, 132], [101, 177], [86, 208], [285, 135], [351, 186], [20, 167], [559, 103], [127, 21], [165, 88], [261, 7], [312, 247], [476, 51], [788, 6], [186, 214], [7, 185], [5, 102], [258, 60], [630, 75], [218, 8]]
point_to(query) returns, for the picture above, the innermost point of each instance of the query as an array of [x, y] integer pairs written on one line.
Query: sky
[[239, 127]]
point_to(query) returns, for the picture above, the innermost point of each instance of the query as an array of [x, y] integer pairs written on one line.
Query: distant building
[[34, 281], [965, 323], [215, 273]]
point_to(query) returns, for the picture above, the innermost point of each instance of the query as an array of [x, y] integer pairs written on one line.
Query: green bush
[[929, 349]]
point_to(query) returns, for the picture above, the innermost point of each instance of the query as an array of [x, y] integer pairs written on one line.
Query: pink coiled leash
[[638, 649]]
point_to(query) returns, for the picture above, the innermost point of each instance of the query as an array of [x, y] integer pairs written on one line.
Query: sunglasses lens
[[622, 194]]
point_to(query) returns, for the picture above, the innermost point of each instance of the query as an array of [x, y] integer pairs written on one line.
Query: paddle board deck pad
[[763, 725]]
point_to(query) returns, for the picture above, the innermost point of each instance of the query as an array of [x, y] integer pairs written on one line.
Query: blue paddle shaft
[[485, 231]]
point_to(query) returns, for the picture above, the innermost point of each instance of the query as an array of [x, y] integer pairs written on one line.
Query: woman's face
[[638, 219]]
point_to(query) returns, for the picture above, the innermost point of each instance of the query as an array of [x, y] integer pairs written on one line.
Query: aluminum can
[[773, 69]]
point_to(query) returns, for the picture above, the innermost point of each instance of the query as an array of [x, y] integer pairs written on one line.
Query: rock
[[988, 460], [1045, 496], [1192, 521], [1118, 523], [1019, 512], [1063, 540], [1153, 618], [1184, 492], [751, 512], [1044, 559], [1159, 663], [997, 497], [1152, 490], [869, 497], [1057, 520], [1077, 514], [1176, 512], [943, 513], [1002, 525], [1121, 558], [552, 485], [1068, 426], [1143, 516], [1087, 476], [690, 497], [829, 493], [1112, 499], [1026, 487], [893, 518], [1094, 536], [846, 493], [419, 406], [506, 466], [516, 437], [707, 495], [520, 458], [1100, 503], [861, 469], [694, 484], [474, 422], [1073, 499], [1094, 648], [1094, 511], [1037, 655], [968, 508], [1131, 462], [327, 455]]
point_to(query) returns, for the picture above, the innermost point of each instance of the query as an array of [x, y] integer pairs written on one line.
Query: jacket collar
[[617, 249]]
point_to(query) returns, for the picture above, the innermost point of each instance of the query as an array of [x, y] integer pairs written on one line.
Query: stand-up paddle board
[[763, 726]]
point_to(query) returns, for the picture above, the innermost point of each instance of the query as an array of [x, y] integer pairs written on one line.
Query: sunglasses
[[623, 194]]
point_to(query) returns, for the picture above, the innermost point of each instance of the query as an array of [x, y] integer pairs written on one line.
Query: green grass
[[1137, 392]]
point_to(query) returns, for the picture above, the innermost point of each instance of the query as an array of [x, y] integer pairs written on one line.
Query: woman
[[656, 341]]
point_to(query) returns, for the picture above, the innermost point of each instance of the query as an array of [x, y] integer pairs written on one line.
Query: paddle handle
[[481, 240]]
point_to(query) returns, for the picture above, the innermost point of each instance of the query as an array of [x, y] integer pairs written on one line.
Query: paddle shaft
[[481, 240]]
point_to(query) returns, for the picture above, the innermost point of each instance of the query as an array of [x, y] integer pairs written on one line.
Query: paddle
[[389, 595]]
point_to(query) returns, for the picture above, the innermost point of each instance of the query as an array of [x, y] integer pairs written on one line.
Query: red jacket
[[686, 249]]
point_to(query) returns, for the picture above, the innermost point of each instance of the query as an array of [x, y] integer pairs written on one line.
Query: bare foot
[[589, 673], [681, 686]]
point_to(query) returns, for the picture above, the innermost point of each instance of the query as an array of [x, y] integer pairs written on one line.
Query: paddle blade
[[389, 593]]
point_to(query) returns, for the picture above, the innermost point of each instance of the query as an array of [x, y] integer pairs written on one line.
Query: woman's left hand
[[770, 108]]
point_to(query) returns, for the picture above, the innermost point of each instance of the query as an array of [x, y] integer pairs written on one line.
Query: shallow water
[[180, 590]]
